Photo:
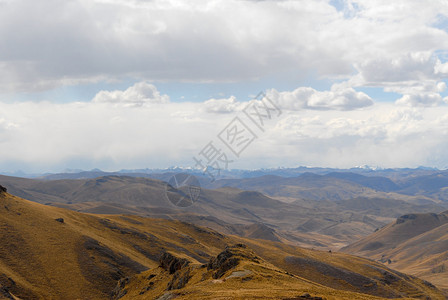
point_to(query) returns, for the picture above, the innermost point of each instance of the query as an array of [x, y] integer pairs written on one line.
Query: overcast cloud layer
[[360, 47]]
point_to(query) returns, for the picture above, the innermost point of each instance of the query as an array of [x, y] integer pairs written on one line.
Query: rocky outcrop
[[179, 280], [3, 189], [178, 267], [229, 259], [4, 293], [170, 263], [404, 218], [120, 290], [305, 296]]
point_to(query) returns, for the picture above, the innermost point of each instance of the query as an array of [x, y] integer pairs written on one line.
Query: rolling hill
[[321, 224], [338, 186], [415, 243], [53, 253]]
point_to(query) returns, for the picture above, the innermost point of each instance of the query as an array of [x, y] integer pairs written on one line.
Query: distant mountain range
[[412, 186], [423, 185], [393, 173]]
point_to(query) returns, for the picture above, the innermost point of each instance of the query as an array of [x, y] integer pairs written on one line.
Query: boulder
[[171, 263]]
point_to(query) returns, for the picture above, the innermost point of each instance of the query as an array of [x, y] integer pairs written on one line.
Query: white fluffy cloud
[[426, 99], [46, 136], [137, 95], [223, 105], [414, 66], [299, 99], [441, 69], [309, 98], [417, 76]]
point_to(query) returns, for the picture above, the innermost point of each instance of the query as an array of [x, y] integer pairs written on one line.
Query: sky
[[132, 84]]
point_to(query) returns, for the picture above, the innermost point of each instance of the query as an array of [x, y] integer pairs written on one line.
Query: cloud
[[398, 46], [223, 105], [441, 68], [417, 76], [385, 135], [47, 136], [426, 93], [428, 99], [139, 94], [167, 40], [301, 98], [408, 67], [309, 98]]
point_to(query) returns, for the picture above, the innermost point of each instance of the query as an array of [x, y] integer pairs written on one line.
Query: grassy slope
[[85, 256], [416, 244], [47, 259], [252, 278]]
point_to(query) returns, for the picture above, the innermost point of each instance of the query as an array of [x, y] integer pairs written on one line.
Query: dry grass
[[86, 255], [416, 244]]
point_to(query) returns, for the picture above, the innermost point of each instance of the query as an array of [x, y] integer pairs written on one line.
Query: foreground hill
[[235, 273], [414, 243], [53, 253]]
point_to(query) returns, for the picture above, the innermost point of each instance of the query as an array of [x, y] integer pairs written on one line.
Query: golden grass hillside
[[415, 243], [235, 273], [53, 253]]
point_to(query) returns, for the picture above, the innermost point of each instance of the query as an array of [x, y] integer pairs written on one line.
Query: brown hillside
[[54, 253], [414, 243], [318, 224], [240, 273]]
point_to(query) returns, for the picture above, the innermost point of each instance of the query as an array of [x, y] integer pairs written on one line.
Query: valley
[[110, 232], [49, 253]]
